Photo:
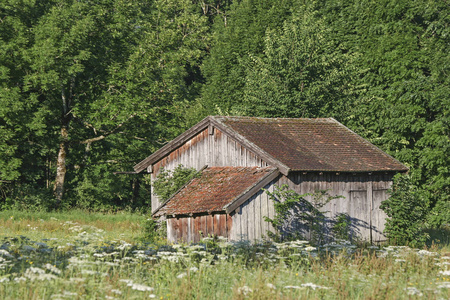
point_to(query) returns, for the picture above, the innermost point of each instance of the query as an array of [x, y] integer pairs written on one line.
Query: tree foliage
[[169, 182], [406, 208], [85, 86]]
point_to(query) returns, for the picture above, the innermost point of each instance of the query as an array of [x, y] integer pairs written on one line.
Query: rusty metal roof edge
[[172, 145], [182, 187], [215, 120], [368, 143], [250, 191]]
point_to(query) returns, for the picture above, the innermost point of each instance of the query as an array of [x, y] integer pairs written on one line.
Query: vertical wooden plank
[[184, 227], [264, 212], [236, 155], [170, 231], [244, 220], [195, 234], [216, 224], [189, 237], [369, 208], [223, 225], [251, 220], [203, 226], [258, 220], [236, 230], [229, 221], [210, 225]]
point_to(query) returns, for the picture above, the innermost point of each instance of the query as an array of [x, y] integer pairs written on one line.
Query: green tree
[[93, 84], [406, 208], [303, 72], [401, 54], [235, 39]]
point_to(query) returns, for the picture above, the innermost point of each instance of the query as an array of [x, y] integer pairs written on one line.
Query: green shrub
[[168, 182], [406, 208], [296, 218]]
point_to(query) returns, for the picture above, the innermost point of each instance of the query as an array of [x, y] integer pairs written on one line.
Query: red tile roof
[[312, 144], [215, 188]]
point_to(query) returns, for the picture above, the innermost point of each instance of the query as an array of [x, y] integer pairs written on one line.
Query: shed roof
[[216, 189], [321, 144], [300, 144]]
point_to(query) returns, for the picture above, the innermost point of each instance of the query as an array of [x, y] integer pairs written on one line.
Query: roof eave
[[250, 191], [172, 145]]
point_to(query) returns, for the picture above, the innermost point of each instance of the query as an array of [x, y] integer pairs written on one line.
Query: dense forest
[[89, 88]]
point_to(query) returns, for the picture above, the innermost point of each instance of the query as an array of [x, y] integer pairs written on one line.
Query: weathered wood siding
[[193, 229], [214, 150], [362, 194], [248, 219]]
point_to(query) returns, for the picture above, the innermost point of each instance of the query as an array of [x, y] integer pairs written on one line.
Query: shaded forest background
[[91, 87]]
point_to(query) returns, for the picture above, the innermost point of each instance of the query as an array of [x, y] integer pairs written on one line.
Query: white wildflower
[[35, 270], [181, 275], [124, 246], [118, 292], [310, 248], [412, 291], [445, 273], [5, 253], [271, 286], [52, 268], [444, 285], [141, 287], [76, 279], [20, 279], [314, 286], [293, 287], [152, 296], [4, 279], [425, 252], [244, 290], [127, 281], [193, 269]]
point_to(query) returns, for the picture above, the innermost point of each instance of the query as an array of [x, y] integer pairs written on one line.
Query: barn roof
[[313, 144], [217, 189], [300, 144]]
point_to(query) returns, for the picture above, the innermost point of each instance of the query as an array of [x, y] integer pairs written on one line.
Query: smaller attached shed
[[244, 155], [203, 207]]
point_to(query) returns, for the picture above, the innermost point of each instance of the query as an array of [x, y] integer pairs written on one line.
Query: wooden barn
[[240, 156]]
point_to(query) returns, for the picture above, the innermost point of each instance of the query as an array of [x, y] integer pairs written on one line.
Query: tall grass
[[40, 225], [77, 255]]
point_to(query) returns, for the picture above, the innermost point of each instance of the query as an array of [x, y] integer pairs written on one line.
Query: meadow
[[81, 255]]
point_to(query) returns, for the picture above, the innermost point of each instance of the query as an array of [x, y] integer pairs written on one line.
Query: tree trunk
[[61, 166], [61, 169]]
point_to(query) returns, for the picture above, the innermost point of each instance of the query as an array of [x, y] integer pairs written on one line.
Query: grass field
[[80, 255]]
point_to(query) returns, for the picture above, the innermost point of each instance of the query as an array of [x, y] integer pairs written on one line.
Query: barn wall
[[193, 229], [248, 219], [214, 150], [363, 195]]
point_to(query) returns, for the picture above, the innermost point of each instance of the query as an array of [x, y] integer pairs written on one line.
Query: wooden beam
[[251, 191], [172, 145]]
